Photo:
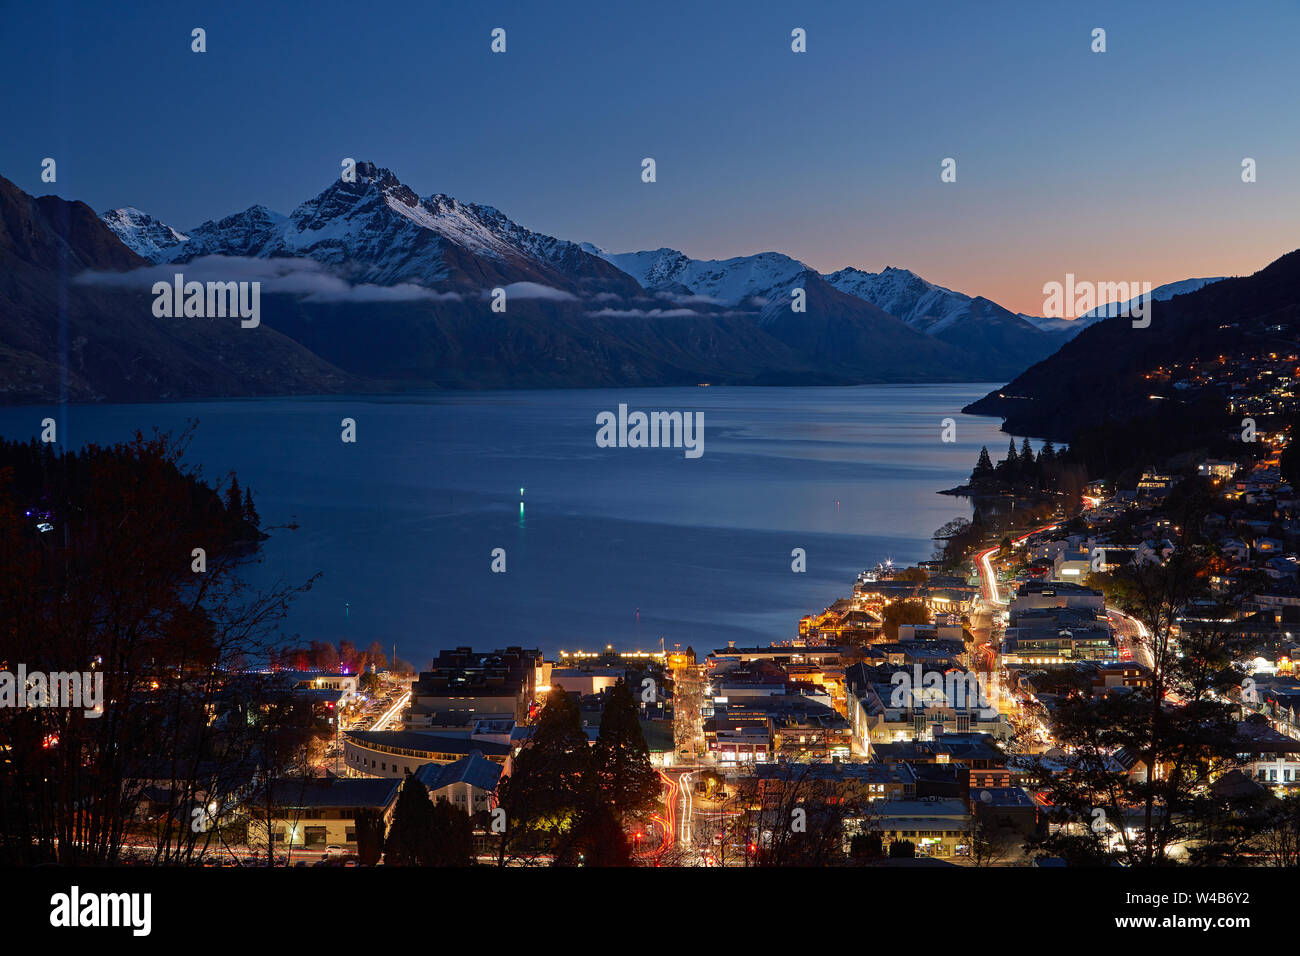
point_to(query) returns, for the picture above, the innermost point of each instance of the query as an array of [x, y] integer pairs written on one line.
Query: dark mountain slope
[[1098, 377], [63, 339]]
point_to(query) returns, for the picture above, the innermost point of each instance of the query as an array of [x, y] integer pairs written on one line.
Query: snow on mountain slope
[[921, 304], [924, 306], [142, 233], [1161, 293], [245, 233], [725, 281], [377, 230], [998, 340]]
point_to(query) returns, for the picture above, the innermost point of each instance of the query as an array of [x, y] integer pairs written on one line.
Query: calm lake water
[[402, 524]]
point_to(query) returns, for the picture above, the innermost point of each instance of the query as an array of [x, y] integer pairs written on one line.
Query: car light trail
[[688, 806], [392, 711]]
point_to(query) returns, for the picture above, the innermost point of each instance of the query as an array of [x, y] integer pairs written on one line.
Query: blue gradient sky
[[1115, 166]]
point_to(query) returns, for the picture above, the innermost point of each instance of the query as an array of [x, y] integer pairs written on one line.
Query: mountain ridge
[[447, 245], [365, 286], [368, 283], [65, 340], [1100, 376]]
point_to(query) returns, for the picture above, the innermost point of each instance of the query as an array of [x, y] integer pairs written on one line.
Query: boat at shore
[[883, 571]]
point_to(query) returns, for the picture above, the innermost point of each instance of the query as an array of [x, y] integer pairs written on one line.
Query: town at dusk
[[649, 454]]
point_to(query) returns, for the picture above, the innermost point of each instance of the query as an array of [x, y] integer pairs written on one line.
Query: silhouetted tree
[[1181, 728], [249, 510], [1008, 469], [453, 836], [411, 839], [598, 840], [375, 655], [867, 846], [550, 784], [621, 759], [112, 591], [370, 830], [234, 499]]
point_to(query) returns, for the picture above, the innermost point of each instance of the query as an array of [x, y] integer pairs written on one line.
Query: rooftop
[[474, 769], [426, 743]]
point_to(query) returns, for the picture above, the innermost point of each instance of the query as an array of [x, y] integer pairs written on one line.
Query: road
[[392, 712], [665, 822], [681, 816], [1132, 635], [989, 577], [686, 784]]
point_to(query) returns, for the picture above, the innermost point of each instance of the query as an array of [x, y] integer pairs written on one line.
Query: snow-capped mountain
[[724, 281], [252, 232], [143, 234], [924, 306], [575, 319], [996, 338], [376, 230], [921, 304], [1161, 293], [369, 283]]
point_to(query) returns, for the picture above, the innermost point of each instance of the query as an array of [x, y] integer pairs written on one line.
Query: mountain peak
[[142, 233], [374, 229], [726, 281], [342, 197], [382, 177]]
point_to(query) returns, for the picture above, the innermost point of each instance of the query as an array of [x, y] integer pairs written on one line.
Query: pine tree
[[621, 758], [550, 783], [1009, 468], [369, 824], [234, 501], [452, 836], [250, 512], [599, 840], [1028, 467], [411, 835], [983, 468], [1047, 467]]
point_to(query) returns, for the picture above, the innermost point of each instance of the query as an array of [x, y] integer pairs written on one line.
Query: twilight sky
[[1122, 166]]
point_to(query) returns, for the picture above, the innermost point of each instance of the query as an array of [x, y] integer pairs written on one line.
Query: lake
[[623, 546]]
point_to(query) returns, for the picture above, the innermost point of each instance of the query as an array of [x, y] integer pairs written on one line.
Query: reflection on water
[[403, 523]]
